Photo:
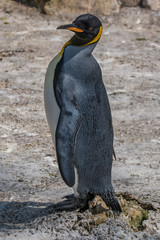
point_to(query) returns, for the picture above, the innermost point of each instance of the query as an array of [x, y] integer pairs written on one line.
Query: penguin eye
[[90, 28]]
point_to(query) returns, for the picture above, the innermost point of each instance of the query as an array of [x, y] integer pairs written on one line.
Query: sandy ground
[[129, 54]]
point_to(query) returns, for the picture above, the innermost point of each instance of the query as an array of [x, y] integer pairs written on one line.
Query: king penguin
[[79, 117]]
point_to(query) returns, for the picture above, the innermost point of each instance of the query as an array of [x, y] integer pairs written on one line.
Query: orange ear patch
[[74, 29]]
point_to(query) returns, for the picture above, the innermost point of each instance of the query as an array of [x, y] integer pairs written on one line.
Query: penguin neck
[[77, 41], [71, 50], [77, 45]]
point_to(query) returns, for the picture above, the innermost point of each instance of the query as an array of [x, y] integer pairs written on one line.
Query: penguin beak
[[71, 27]]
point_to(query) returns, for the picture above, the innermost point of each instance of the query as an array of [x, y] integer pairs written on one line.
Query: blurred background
[[100, 7], [129, 55], [75, 7]]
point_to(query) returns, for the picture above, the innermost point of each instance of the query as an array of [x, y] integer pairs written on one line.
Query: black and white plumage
[[79, 117]]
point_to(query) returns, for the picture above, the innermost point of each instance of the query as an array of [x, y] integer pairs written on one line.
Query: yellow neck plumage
[[91, 42], [97, 37]]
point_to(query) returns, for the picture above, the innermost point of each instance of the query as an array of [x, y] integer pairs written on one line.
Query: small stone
[[97, 205], [99, 218]]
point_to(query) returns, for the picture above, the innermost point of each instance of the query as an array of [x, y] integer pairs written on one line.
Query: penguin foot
[[71, 204], [71, 196], [110, 199]]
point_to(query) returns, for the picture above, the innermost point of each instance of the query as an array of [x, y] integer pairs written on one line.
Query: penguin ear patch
[[74, 29]]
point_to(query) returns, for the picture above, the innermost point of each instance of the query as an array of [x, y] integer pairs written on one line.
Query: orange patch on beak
[[74, 29]]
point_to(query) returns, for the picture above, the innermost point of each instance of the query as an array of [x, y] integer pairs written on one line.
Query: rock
[[65, 8], [105, 7], [133, 213], [75, 7], [151, 4], [98, 205], [129, 3], [152, 224], [99, 218]]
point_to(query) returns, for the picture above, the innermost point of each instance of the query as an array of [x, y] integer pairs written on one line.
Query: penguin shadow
[[17, 215]]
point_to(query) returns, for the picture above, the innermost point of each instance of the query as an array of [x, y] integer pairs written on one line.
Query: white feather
[[51, 106], [76, 182]]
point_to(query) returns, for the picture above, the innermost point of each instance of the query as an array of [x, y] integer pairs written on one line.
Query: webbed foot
[[70, 204], [111, 200], [71, 196]]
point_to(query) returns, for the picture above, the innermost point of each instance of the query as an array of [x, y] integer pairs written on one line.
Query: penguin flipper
[[67, 129]]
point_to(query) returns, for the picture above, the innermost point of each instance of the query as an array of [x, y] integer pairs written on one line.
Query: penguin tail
[[111, 200]]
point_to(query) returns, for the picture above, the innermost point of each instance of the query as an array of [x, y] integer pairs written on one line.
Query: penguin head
[[86, 27]]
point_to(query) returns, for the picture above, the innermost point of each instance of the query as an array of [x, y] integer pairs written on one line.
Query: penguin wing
[[68, 125]]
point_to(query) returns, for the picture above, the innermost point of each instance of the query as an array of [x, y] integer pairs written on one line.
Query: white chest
[[51, 107]]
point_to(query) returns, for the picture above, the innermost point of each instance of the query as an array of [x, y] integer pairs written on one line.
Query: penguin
[[79, 117]]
